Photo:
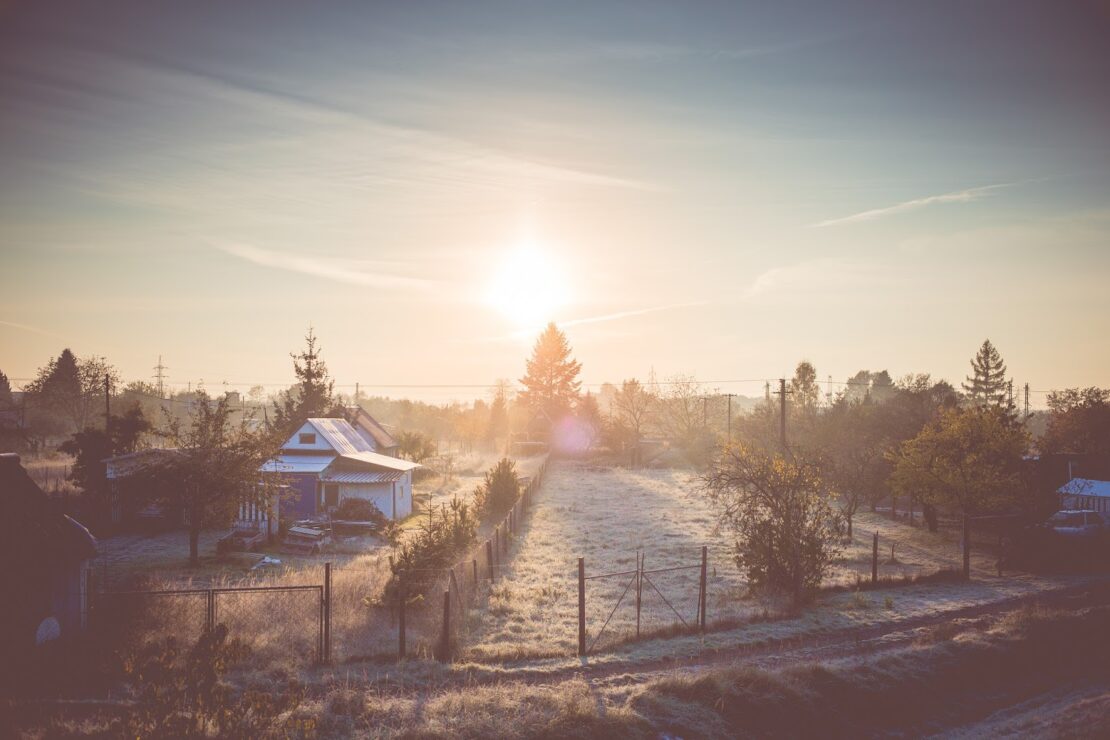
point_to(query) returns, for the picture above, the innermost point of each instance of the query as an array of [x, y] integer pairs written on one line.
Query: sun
[[528, 287]]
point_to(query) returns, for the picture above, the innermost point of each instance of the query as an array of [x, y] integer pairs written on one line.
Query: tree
[[499, 490], [68, 393], [312, 396], [93, 446], [5, 393], [854, 460], [804, 391], [986, 386], [550, 379], [214, 468], [967, 460], [786, 530], [1078, 422], [631, 405], [415, 446], [498, 426], [678, 412]]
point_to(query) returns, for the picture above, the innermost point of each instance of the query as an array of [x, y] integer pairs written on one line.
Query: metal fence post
[[639, 589], [701, 597], [210, 616], [875, 559], [581, 606], [327, 611], [489, 559], [474, 562]]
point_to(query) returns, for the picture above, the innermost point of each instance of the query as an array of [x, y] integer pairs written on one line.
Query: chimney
[[1071, 475]]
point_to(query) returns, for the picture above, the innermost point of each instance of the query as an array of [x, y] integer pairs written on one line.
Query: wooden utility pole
[[1026, 400], [782, 411], [729, 397], [107, 402], [875, 559]]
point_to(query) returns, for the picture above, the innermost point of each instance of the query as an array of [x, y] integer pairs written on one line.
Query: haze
[[720, 192]]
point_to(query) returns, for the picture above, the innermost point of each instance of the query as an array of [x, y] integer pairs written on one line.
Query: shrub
[[500, 490], [360, 510], [439, 542]]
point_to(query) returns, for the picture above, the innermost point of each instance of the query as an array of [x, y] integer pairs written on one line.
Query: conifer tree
[[986, 386], [550, 379], [312, 396]]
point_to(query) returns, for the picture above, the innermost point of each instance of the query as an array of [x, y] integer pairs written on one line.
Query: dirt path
[[865, 641]]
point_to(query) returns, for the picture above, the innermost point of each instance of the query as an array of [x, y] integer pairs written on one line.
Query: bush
[[780, 513], [500, 490], [418, 561], [360, 510]]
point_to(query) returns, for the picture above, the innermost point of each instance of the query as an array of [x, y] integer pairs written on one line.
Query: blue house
[[327, 461]]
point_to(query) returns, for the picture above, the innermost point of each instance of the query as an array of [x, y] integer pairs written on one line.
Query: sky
[[716, 189]]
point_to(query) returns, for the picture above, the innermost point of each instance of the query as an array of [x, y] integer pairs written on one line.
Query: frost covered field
[[607, 515]]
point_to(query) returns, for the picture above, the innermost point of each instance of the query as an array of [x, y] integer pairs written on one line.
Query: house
[[327, 461], [129, 512], [46, 559], [381, 441], [1085, 493]]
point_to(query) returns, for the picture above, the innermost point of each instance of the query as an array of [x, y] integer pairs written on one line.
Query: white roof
[[1085, 487], [381, 461], [341, 436], [297, 464]]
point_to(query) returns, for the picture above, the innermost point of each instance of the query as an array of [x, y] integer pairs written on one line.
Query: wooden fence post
[[701, 597], [967, 547], [581, 606], [210, 617], [489, 559], [474, 562], [445, 649], [875, 559], [403, 592], [327, 612]]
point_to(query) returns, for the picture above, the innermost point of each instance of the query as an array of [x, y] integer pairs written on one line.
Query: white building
[[1085, 493], [328, 461]]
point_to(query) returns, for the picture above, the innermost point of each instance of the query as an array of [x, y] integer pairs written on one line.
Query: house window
[[307, 438], [331, 494]]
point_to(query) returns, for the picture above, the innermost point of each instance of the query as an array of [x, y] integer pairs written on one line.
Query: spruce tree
[[986, 386], [5, 392], [550, 379], [313, 395]]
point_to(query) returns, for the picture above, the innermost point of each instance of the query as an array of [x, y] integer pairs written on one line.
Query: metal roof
[[1085, 487], [342, 437], [382, 461], [364, 421], [297, 464], [362, 476]]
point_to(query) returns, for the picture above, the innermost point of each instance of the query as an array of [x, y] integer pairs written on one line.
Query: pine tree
[[5, 392], [313, 395], [498, 426], [986, 386], [550, 379]]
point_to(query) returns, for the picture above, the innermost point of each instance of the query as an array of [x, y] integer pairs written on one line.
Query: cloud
[[959, 196], [820, 277], [35, 329], [627, 314], [352, 272]]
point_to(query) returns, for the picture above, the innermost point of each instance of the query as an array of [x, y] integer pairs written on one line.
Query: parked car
[[1079, 523]]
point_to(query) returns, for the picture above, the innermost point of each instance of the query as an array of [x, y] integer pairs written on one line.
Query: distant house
[[1085, 493], [328, 460], [47, 554], [129, 512], [381, 441]]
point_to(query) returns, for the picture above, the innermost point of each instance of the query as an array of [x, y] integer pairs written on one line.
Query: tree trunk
[[930, 513], [849, 527]]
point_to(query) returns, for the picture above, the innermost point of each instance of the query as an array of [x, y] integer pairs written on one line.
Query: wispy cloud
[[340, 270], [814, 277], [959, 196], [33, 329], [627, 314]]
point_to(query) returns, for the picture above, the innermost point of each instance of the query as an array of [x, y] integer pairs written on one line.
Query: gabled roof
[[341, 436], [32, 527], [364, 422], [1085, 487]]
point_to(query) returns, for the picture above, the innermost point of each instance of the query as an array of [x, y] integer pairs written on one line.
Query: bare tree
[[631, 405]]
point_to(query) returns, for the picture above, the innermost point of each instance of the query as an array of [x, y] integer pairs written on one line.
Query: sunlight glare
[[528, 287]]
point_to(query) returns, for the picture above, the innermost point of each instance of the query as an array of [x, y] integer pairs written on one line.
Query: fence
[[639, 576], [275, 621], [463, 587]]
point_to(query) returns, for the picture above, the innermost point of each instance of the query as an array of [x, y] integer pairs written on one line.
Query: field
[[607, 516]]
